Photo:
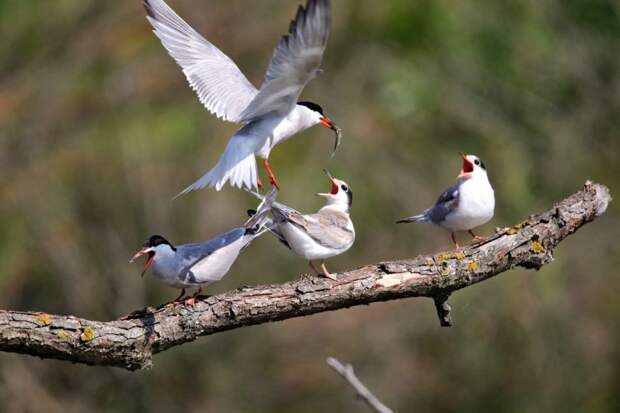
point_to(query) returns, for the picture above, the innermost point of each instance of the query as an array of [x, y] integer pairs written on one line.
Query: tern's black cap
[[156, 240], [312, 106]]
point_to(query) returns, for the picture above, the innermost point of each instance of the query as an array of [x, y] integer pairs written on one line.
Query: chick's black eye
[[477, 162], [344, 188]]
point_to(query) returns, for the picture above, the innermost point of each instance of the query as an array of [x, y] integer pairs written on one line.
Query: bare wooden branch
[[131, 341], [362, 391]]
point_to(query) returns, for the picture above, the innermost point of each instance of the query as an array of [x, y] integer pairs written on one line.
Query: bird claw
[[330, 276]]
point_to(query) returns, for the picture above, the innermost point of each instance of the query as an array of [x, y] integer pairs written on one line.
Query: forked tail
[[415, 218]]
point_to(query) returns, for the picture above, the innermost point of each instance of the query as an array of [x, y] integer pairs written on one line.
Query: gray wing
[[447, 202], [327, 229], [295, 61], [193, 253], [220, 85]]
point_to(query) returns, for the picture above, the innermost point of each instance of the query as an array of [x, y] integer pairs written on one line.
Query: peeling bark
[[130, 342]]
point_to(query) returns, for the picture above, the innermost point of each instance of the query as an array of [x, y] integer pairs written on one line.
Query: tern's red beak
[[327, 122], [149, 259], [467, 168], [334, 189]]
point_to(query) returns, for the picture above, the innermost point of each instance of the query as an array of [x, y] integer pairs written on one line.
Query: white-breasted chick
[[464, 206], [269, 115], [322, 235]]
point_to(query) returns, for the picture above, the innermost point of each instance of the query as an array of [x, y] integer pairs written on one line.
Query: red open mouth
[[148, 262], [468, 167], [334, 190]]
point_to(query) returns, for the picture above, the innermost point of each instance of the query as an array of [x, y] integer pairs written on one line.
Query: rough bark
[[131, 341]]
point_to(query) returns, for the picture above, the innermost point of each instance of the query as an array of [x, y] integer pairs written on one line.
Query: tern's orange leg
[[192, 299], [476, 237], [259, 183], [456, 244], [272, 177], [327, 273]]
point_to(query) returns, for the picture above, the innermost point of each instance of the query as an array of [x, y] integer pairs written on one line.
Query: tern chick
[[464, 206], [319, 236]]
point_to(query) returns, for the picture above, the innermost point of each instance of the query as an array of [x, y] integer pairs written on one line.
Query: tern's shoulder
[[450, 195], [202, 249]]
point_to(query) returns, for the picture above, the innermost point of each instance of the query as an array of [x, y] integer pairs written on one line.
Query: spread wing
[[447, 202], [220, 85], [295, 61]]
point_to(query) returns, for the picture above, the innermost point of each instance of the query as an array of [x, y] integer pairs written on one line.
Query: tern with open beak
[[464, 206], [319, 236], [269, 115], [196, 265]]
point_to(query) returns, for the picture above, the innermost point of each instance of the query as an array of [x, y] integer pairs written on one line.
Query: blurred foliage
[[98, 130]]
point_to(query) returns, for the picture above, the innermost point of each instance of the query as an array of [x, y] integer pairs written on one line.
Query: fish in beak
[[329, 124], [467, 168], [334, 189], [149, 260]]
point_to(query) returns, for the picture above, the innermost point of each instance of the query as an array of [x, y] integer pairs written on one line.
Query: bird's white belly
[[476, 207], [303, 245], [283, 130]]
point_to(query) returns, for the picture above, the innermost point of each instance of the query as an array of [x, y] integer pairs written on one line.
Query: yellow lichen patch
[[441, 258], [62, 334], [515, 228], [472, 266], [87, 334], [44, 319], [537, 247]]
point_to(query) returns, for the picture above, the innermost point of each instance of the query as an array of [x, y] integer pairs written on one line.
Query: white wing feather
[[220, 85]]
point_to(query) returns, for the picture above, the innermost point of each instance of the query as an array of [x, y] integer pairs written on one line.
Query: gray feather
[[447, 202], [295, 61]]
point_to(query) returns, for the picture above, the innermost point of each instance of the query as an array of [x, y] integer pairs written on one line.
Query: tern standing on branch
[[464, 206], [196, 265], [269, 115], [319, 236]]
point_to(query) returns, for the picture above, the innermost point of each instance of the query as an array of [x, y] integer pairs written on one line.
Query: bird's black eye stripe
[[344, 188], [482, 165]]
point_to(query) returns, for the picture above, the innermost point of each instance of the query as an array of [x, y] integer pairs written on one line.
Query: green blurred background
[[98, 130]]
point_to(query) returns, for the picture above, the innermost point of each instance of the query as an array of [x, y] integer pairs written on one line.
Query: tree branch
[[131, 341], [362, 391]]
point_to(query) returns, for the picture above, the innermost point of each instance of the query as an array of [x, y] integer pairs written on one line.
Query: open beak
[[149, 260], [467, 168], [327, 122], [334, 190]]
